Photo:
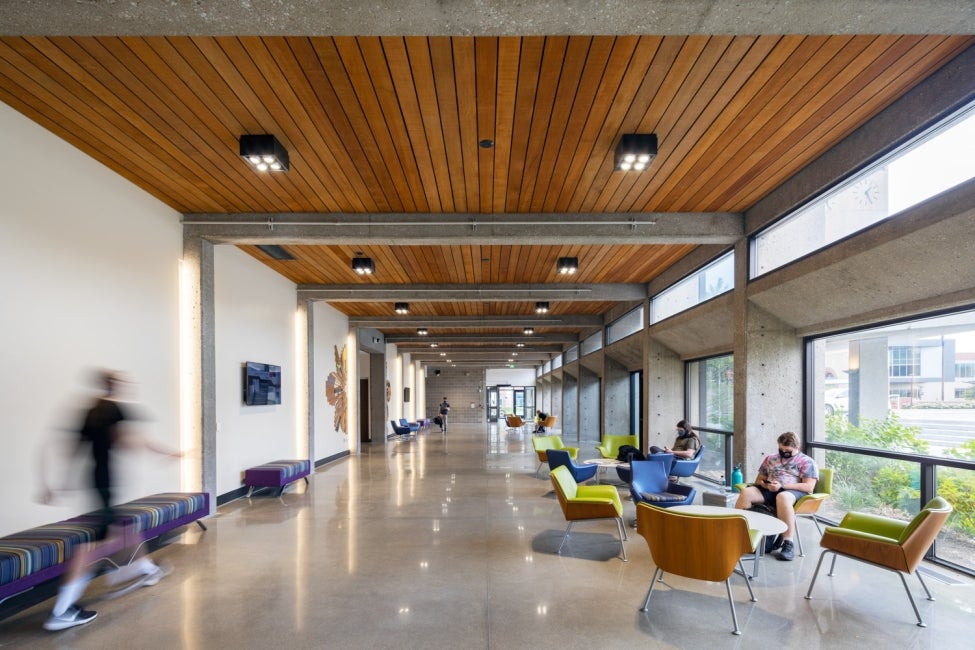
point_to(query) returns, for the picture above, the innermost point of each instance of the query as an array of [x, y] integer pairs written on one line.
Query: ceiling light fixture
[[521, 345], [434, 345], [264, 153], [402, 308], [422, 331], [363, 265], [568, 265], [528, 331], [541, 307], [635, 152]]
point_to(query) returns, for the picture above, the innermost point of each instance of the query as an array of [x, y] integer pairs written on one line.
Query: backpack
[[629, 453]]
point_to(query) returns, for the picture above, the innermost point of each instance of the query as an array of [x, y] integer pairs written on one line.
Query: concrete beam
[[405, 229], [485, 338], [532, 320], [487, 17], [472, 293]]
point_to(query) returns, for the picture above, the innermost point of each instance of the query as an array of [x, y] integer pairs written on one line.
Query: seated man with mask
[[782, 478]]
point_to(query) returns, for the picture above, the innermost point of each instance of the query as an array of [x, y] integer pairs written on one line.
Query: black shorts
[[770, 496]]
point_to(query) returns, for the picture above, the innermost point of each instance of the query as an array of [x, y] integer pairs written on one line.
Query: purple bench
[[34, 556], [278, 474]]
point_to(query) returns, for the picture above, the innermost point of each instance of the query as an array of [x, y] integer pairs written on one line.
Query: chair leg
[[564, 537], [653, 583], [751, 594], [731, 602], [538, 468], [812, 584], [923, 584], [920, 623], [795, 527], [621, 528]]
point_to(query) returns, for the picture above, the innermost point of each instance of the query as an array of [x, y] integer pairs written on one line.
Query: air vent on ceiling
[[276, 252]]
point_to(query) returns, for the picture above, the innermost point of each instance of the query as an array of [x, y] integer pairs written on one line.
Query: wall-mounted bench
[[278, 474], [36, 555]]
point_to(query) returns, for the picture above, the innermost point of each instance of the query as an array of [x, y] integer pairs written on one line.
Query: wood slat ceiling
[[392, 125]]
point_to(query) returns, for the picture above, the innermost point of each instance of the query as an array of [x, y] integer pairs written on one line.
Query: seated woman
[[685, 446], [540, 418]]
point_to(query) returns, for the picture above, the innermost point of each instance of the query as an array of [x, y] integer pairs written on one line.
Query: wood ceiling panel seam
[[421, 71], [641, 89], [716, 143], [442, 66], [656, 117], [465, 83], [890, 82], [553, 58], [177, 121], [404, 87], [352, 58], [486, 79], [333, 116], [324, 175], [509, 62], [234, 64], [204, 104], [696, 120], [557, 137], [616, 95], [529, 67], [56, 86]]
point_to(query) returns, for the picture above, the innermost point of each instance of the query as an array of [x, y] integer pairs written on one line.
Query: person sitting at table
[[685, 446], [782, 479]]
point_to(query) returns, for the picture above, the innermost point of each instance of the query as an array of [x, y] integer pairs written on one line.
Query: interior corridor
[[448, 541]]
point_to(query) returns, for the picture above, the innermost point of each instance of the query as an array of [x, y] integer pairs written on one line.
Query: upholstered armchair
[[542, 444], [807, 506], [399, 429], [561, 458], [887, 543], [649, 483], [702, 547], [513, 423], [610, 447], [586, 502], [684, 467]]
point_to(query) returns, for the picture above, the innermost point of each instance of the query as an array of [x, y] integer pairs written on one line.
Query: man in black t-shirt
[[444, 409]]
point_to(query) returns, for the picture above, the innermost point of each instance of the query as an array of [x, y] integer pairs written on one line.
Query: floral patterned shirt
[[789, 470]]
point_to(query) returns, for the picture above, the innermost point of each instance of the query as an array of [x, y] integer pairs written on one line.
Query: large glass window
[[895, 392], [936, 161], [710, 404], [706, 283], [627, 324]]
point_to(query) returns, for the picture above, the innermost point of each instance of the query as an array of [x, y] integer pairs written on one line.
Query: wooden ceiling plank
[[444, 78], [553, 57], [465, 81], [486, 66], [509, 62]]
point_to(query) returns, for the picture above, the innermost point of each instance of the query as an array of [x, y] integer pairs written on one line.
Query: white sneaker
[[71, 617], [162, 570]]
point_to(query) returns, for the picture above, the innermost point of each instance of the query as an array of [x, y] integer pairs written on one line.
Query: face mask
[[681, 433], [784, 453]]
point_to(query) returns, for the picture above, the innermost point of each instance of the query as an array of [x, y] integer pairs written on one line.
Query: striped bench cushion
[[34, 550], [159, 509], [662, 497], [277, 473]]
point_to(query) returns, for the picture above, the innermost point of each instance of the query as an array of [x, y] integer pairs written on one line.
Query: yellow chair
[[548, 423], [583, 502], [612, 443], [887, 543], [702, 547], [543, 443], [807, 506]]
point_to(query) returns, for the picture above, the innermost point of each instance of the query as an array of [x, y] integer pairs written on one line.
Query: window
[[627, 324], [706, 283], [896, 393], [592, 343], [710, 405], [935, 161]]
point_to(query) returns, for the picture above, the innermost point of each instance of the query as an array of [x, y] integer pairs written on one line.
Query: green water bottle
[[736, 477]]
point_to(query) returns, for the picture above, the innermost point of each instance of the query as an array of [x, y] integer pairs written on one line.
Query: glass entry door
[[492, 403]]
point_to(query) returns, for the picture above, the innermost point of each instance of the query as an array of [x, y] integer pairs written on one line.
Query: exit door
[[492, 403]]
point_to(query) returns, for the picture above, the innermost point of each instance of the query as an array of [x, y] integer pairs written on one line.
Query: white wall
[[331, 333], [254, 312], [513, 376], [90, 267]]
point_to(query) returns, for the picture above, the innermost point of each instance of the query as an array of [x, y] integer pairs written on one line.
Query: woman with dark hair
[[685, 446]]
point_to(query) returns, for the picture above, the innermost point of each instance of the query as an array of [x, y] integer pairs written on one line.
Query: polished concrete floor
[[449, 542]]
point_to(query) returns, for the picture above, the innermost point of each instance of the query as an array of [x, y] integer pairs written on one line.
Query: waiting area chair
[[649, 483], [547, 424], [586, 502], [513, 423], [806, 507], [684, 467], [702, 547], [414, 427], [542, 444], [561, 458], [399, 429], [887, 543], [610, 447]]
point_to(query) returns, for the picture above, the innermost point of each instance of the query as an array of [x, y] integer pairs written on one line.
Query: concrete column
[[377, 398], [616, 397], [664, 382], [569, 408], [198, 368], [868, 389], [304, 377], [589, 405], [555, 395]]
